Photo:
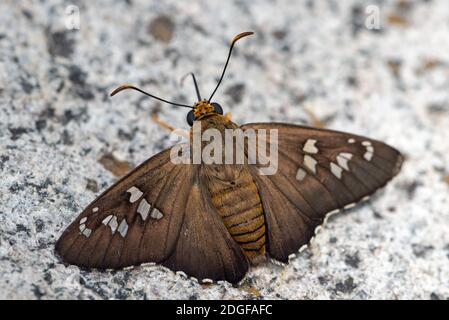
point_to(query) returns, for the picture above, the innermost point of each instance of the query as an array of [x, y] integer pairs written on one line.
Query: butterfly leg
[[167, 126], [316, 122]]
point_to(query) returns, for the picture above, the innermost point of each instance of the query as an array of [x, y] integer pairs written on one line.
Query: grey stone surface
[[57, 121]]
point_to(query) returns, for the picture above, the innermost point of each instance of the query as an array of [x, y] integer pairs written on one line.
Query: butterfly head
[[202, 109]]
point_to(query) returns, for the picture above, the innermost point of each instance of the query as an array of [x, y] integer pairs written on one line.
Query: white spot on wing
[[143, 209], [113, 224], [301, 174], [351, 140], [343, 161], [87, 232], [95, 209], [135, 194], [156, 214], [310, 163], [336, 170], [368, 156], [369, 150], [107, 219], [309, 146], [123, 228], [366, 143], [82, 227], [346, 155], [83, 220]]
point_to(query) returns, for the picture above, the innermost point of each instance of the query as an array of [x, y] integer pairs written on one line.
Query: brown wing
[[147, 217], [205, 248], [319, 172]]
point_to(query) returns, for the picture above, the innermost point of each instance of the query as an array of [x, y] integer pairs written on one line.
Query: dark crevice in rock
[[60, 43]]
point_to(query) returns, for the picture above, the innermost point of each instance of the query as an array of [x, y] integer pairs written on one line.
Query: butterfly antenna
[[127, 86], [236, 38], [194, 82]]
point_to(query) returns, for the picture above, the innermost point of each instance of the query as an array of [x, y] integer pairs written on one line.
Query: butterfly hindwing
[[205, 248], [157, 213], [319, 172]]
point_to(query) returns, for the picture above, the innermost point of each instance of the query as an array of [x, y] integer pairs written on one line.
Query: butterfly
[[212, 221]]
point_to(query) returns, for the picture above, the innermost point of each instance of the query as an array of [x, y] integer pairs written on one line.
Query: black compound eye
[[218, 109], [190, 118]]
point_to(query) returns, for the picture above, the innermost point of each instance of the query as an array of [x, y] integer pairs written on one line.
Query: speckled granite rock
[[57, 122]]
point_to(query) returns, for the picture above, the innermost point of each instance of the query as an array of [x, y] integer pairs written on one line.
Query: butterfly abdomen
[[241, 211]]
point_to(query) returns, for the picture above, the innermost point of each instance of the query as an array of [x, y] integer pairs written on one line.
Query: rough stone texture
[[57, 121]]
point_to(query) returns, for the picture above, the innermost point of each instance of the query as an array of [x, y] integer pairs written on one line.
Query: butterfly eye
[[190, 118], [218, 109]]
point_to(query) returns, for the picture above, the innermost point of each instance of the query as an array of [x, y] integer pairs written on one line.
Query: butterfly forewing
[[319, 171], [114, 223], [154, 214]]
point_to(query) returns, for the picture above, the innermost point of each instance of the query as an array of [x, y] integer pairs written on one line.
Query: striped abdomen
[[241, 210]]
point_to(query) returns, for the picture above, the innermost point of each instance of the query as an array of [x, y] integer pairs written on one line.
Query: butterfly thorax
[[236, 197]]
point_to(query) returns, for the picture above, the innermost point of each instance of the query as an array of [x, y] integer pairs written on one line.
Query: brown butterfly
[[211, 221]]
